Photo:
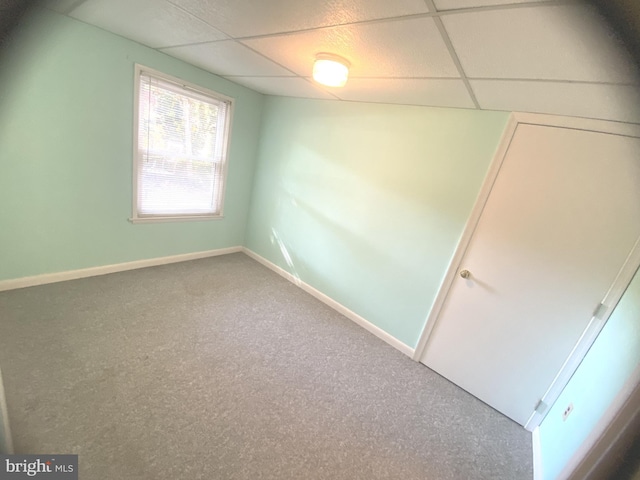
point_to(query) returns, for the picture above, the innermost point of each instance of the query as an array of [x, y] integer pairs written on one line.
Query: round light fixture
[[330, 70]]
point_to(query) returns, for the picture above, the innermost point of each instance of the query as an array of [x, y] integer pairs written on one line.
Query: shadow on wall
[[371, 197], [346, 249], [362, 202]]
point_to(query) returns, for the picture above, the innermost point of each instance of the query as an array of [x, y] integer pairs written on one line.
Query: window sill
[[180, 218]]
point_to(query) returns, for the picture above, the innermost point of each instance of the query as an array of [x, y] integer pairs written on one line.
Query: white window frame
[[155, 218]]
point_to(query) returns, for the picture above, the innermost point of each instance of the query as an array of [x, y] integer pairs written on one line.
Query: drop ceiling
[[549, 56]]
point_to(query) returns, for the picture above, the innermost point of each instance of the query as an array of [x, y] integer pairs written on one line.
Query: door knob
[[465, 273]]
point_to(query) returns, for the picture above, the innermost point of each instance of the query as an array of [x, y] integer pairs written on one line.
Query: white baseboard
[[105, 269], [537, 454], [377, 331], [152, 262]]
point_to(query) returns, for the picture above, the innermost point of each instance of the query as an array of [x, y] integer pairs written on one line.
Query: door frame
[[617, 289]]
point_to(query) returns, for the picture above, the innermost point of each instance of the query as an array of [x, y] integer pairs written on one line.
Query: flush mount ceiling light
[[330, 70]]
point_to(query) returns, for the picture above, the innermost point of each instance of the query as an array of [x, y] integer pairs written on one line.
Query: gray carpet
[[220, 369]]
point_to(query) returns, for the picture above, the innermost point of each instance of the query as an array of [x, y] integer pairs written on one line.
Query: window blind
[[181, 149]]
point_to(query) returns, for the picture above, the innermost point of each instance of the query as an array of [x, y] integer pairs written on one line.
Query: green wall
[[367, 202], [608, 365], [66, 110]]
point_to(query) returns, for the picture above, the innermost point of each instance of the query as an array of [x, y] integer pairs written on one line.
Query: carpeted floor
[[220, 369]]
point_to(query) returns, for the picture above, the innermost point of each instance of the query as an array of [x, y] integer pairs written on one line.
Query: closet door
[[560, 221]]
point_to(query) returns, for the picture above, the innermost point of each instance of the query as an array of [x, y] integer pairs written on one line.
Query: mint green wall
[[607, 366], [367, 202], [66, 109]]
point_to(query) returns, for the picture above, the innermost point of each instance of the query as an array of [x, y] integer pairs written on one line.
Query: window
[[180, 153]]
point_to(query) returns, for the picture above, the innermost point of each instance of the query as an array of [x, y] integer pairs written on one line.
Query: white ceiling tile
[[155, 23], [455, 4], [608, 102], [407, 91], [407, 48], [282, 86], [553, 42], [240, 18], [227, 58]]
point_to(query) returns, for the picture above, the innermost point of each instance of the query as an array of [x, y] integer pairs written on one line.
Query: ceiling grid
[[452, 52], [544, 56]]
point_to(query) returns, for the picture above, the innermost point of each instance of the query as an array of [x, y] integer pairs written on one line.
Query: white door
[[561, 218]]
